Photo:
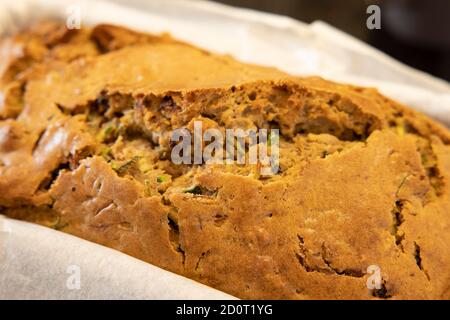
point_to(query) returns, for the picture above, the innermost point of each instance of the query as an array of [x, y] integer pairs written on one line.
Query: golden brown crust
[[363, 180]]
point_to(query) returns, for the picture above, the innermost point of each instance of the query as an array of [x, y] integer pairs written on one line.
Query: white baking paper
[[37, 262]]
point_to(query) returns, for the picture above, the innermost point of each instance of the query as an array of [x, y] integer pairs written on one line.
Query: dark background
[[416, 32]]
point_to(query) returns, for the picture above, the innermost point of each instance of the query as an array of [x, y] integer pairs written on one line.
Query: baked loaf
[[363, 180]]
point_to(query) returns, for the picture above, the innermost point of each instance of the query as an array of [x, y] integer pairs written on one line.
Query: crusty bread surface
[[85, 117]]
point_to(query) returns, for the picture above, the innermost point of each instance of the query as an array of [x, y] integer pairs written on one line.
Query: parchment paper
[[37, 262]]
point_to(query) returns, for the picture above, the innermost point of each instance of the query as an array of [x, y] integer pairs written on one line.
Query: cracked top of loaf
[[363, 180]]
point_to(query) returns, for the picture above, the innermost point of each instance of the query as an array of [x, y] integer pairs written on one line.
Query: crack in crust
[[418, 258], [304, 255], [398, 219], [174, 237]]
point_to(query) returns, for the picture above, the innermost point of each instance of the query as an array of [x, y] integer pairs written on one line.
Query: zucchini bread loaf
[[363, 186]]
